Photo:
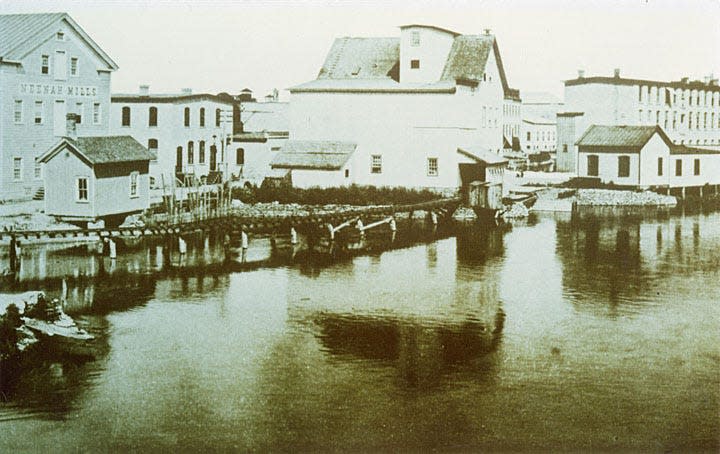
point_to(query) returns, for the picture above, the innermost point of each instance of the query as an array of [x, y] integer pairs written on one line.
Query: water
[[599, 332]]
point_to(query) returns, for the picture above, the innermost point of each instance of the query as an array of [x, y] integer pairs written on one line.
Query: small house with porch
[[645, 157], [88, 179], [316, 163]]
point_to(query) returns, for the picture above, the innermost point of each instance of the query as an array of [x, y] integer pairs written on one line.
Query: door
[[60, 65], [59, 113], [213, 158], [179, 160]]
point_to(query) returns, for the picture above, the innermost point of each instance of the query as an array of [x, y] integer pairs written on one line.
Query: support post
[[13, 255]]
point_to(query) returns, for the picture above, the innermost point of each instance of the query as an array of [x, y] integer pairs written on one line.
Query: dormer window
[[414, 64], [60, 36], [415, 38]]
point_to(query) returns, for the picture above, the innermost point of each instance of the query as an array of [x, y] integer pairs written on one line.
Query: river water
[[592, 332]]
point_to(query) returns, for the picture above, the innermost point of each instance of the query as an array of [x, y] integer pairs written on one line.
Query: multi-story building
[[687, 111], [512, 120], [49, 67], [189, 133], [407, 102], [537, 135]]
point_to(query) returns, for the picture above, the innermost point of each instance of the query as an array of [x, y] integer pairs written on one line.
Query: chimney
[[581, 73], [186, 91], [144, 90], [617, 73], [71, 125]]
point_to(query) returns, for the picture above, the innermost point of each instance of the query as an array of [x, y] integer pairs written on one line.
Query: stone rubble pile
[[610, 197], [279, 210]]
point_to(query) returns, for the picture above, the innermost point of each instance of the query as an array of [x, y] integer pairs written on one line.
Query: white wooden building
[[408, 102], [49, 67], [645, 157]]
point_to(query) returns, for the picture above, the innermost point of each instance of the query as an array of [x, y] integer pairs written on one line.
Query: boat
[[527, 199]]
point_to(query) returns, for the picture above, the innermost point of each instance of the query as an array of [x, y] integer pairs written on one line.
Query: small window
[[347, 173], [217, 118], [660, 167], [202, 117], [96, 113], [74, 66], [592, 165], [187, 117], [152, 116], [528, 136], [191, 152], [565, 148], [415, 38], [623, 166], [201, 151], [134, 184], [38, 169], [80, 112], [678, 167], [432, 167], [45, 66], [126, 116], [18, 113], [376, 164], [82, 189], [39, 112], [414, 64], [152, 144], [17, 169], [240, 156], [696, 167], [152, 183], [60, 36]]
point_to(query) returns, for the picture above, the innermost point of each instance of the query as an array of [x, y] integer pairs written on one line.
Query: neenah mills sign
[[58, 90]]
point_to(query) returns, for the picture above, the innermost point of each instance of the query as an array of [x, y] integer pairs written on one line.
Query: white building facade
[[408, 103], [49, 67], [688, 111], [189, 133], [537, 135]]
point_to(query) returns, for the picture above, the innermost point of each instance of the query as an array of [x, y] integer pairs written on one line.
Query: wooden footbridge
[[232, 221]]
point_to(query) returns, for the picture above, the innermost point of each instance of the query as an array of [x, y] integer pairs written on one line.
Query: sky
[[215, 46]]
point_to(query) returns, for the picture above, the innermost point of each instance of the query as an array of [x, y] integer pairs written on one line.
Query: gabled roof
[[683, 149], [538, 120], [468, 57], [631, 138], [101, 149], [363, 58], [313, 154], [265, 116], [21, 33], [481, 154], [432, 27]]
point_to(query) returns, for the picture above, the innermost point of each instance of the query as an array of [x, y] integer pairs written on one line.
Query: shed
[[96, 178], [320, 163]]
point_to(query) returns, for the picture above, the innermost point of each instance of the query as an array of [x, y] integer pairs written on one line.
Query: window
[[564, 148], [347, 173], [240, 156], [217, 118], [640, 93], [187, 117], [152, 144], [80, 111], [660, 167], [39, 112], [592, 165], [38, 169], [152, 116], [126, 116], [74, 66], [191, 152], [678, 167], [696, 167], [96, 113], [18, 114], [45, 67], [202, 152], [202, 117], [432, 167], [640, 115], [134, 184], [17, 169], [82, 189], [60, 36], [152, 183], [415, 38], [414, 64], [528, 136], [623, 166], [376, 164]]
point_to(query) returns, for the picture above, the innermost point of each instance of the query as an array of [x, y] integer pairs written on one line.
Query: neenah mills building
[[49, 67]]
